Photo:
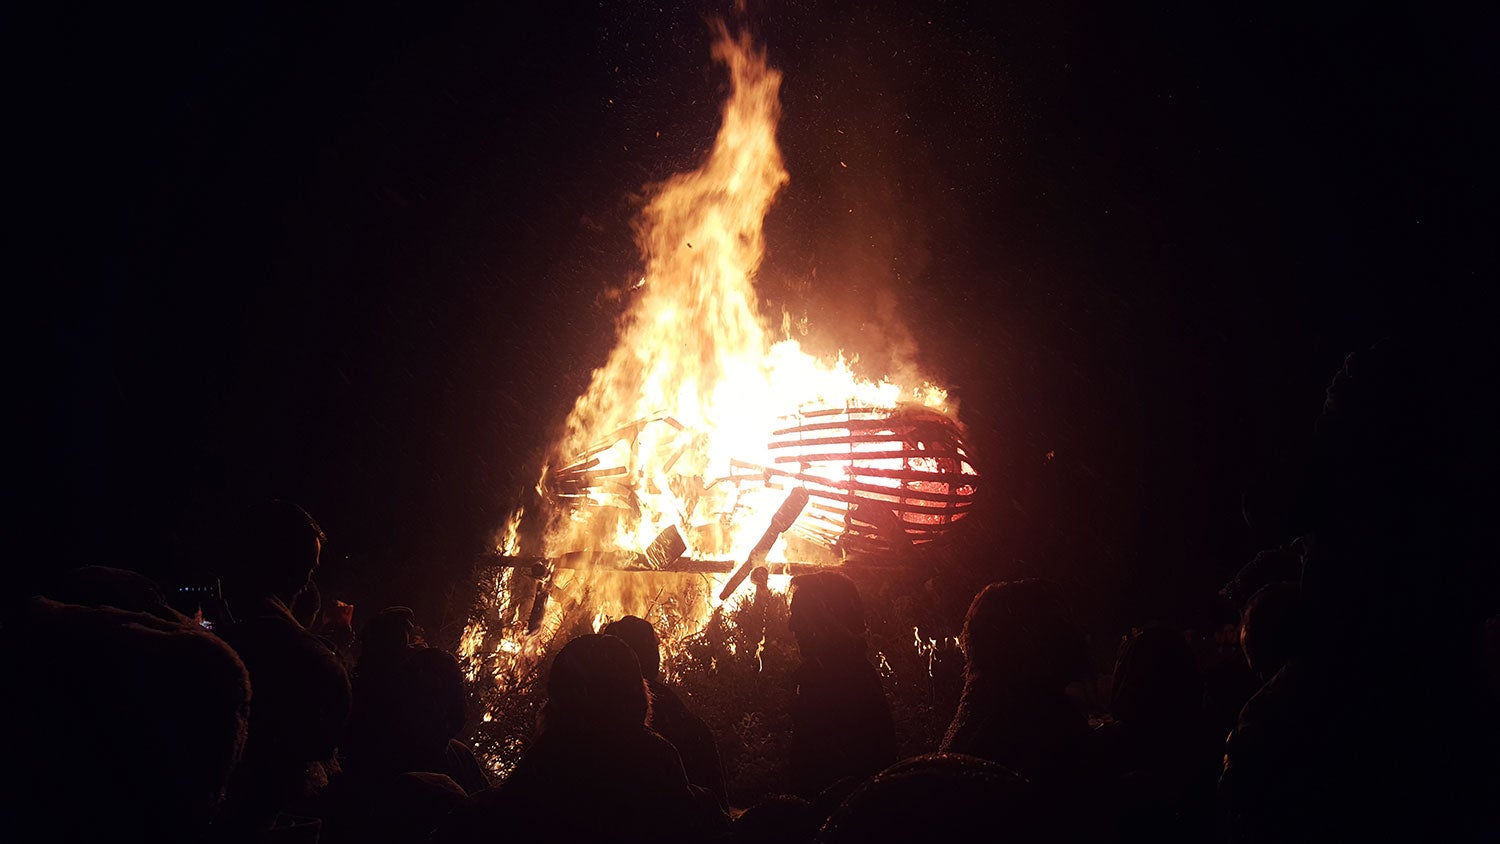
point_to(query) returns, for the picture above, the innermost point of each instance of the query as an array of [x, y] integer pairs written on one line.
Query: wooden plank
[[851, 439]]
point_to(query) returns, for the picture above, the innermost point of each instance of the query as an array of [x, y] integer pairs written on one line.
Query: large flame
[[694, 351], [676, 427], [693, 343]]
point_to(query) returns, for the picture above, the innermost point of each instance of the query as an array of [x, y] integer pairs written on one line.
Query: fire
[[702, 424], [509, 543], [696, 377], [930, 647]]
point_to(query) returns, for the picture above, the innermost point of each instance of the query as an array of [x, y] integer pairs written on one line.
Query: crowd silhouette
[[1357, 701]]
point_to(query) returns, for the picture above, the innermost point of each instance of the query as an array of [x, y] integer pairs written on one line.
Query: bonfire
[[709, 460]]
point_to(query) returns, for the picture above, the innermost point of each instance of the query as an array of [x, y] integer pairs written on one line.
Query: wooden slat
[[918, 475], [579, 466], [898, 493], [903, 508], [851, 439], [904, 454], [878, 423], [834, 411], [825, 441]]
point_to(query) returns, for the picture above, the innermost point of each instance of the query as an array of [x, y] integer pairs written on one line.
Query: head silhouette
[[432, 702], [596, 682], [1020, 633], [779, 819], [274, 551], [827, 616], [1272, 627], [1403, 449], [150, 713], [1273, 565], [1156, 679], [937, 797], [641, 637], [305, 606], [102, 586], [388, 632]]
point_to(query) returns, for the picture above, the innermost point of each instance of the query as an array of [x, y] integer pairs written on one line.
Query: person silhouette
[[118, 724], [376, 729], [1021, 650], [841, 721], [408, 708], [1271, 628], [669, 715], [1378, 726], [1158, 748], [940, 797], [301, 691], [305, 605], [104, 586], [778, 819], [594, 770]]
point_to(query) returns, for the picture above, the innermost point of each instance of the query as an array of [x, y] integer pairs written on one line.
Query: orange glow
[[701, 419]]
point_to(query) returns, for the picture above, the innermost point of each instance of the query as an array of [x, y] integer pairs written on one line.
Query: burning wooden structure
[[706, 451], [879, 480], [856, 483]]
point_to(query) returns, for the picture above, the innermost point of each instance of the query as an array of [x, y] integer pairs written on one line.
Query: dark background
[[361, 256]]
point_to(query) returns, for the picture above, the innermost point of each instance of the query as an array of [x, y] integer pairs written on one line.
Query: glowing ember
[[930, 647], [705, 451]]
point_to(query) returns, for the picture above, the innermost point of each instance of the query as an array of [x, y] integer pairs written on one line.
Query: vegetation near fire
[[736, 671]]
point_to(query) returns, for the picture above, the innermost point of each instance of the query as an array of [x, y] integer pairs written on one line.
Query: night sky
[[364, 256]]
